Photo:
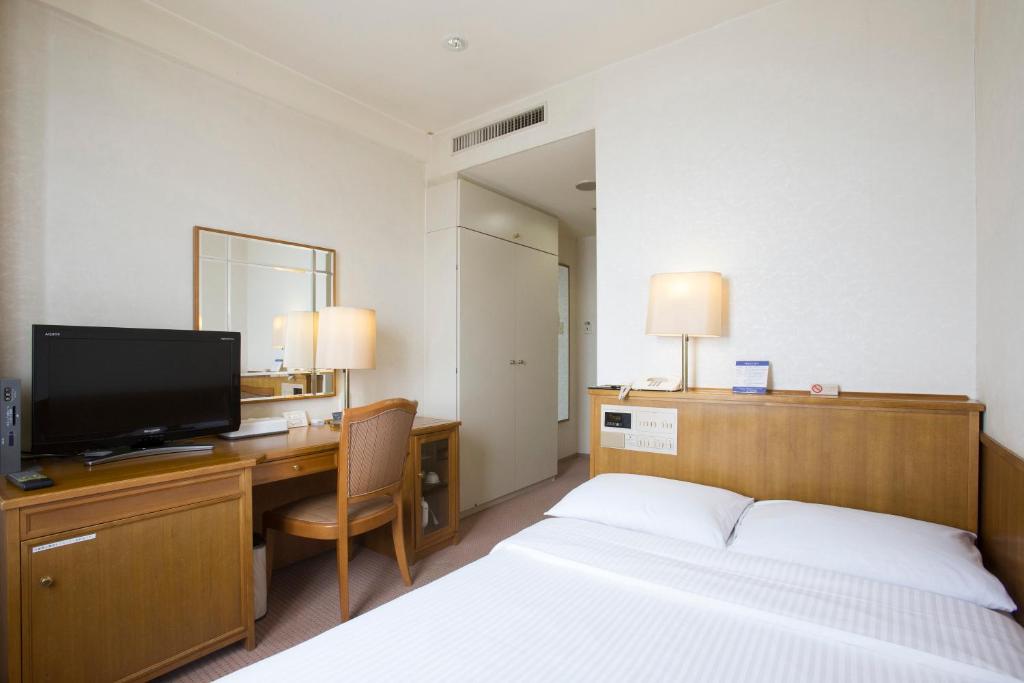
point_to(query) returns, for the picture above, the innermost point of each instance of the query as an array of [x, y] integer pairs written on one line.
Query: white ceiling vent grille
[[498, 128]]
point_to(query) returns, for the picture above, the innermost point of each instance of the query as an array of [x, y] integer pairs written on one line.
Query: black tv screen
[[102, 387]]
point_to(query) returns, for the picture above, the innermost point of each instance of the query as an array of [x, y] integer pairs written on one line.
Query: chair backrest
[[375, 443]]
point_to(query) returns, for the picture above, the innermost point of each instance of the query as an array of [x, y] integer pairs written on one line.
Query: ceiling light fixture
[[586, 186], [455, 42]]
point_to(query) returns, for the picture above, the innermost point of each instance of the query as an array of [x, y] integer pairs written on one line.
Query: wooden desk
[[154, 563], [286, 468]]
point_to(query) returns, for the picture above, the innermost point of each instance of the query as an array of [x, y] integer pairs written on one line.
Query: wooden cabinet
[[435, 467], [118, 600], [433, 447], [122, 580]]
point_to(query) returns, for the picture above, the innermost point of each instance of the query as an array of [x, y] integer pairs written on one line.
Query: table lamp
[[300, 340], [685, 305], [278, 331], [347, 340]]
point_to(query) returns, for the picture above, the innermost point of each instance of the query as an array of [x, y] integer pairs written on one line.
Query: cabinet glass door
[[435, 496]]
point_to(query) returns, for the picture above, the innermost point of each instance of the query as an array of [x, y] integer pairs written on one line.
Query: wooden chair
[[372, 455]]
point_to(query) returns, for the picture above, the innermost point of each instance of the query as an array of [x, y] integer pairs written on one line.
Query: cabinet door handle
[[522, 362], [46, 581], [511, 362], [297, 467]]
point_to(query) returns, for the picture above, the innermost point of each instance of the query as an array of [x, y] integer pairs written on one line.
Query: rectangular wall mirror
[[270, 291]]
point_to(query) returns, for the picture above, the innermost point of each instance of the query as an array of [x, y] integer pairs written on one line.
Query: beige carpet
[[303, 601]]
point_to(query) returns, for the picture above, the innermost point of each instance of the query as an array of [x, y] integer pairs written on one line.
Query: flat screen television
[[100, 389]]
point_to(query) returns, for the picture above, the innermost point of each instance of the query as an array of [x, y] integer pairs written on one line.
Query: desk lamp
[[347, 340]]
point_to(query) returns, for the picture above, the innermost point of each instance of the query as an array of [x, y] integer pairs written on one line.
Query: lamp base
[[684, 376], [344, 387]]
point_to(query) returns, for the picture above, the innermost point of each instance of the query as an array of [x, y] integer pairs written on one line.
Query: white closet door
[[536, 380], [487, 276]]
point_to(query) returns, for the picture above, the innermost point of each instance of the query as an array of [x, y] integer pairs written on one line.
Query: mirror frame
[[568, 341], [197, 230]]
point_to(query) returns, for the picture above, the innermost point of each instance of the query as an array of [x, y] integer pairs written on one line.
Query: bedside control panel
[[637, 428]]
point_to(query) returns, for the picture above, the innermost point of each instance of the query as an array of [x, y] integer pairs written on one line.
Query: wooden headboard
[[910, 455], [1001, 535]]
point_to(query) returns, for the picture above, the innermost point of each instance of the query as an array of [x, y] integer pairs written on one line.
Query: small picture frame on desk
[[751, 377], [296, 418]]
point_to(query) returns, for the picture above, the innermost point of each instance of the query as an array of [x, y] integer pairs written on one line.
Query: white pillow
[[888, 548], [664, 507]]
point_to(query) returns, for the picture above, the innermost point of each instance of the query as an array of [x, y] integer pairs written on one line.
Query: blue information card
[[751, 377]]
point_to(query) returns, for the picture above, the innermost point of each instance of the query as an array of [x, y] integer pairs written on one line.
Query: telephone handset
[[672, 383]]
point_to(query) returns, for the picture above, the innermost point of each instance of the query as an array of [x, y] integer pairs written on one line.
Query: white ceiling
[[389, 54], [545, 177]]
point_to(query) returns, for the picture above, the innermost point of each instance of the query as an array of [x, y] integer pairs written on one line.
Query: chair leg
[[343, 574], [397, 533]]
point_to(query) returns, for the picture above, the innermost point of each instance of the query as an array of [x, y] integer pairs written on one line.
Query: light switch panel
[[652, 430]]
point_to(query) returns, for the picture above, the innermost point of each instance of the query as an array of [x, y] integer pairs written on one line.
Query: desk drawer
[[132, 502], [287, 468]]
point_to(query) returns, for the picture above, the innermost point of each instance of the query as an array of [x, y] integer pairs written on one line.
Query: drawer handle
[[46, 581], [297, 467]]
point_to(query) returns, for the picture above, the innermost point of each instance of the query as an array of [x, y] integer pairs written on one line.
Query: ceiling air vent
[[498, 128]]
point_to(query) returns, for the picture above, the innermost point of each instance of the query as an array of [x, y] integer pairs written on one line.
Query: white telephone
[[673, 383]]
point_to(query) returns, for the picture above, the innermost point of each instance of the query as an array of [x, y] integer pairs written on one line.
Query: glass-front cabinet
[[430, 499], [436, 501]]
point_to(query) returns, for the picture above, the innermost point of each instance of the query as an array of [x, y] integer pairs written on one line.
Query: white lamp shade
[[300, 340], [347, 338], [685, 303], [277, 333]]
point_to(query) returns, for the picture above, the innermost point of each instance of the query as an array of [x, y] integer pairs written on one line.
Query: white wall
[[820, 155], [111, 153], [158, 29], [586, 307], [1000, 112]]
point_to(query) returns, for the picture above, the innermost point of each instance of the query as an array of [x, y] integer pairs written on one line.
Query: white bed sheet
[[569, 600]]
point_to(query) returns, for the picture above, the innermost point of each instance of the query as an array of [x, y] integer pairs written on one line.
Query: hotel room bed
[[679, 576], [568, 599]]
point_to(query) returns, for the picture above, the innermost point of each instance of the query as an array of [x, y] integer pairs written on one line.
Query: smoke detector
[[455, 42]]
